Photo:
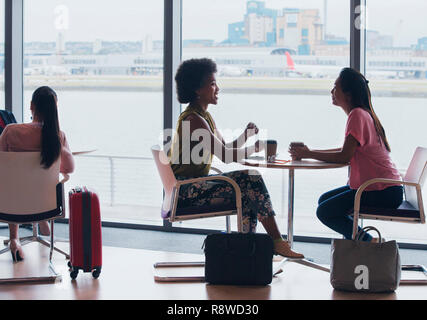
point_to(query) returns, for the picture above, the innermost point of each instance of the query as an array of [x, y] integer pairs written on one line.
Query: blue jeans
[[334, 207]]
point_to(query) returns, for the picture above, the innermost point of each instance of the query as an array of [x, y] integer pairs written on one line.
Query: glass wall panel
[[105, 61], [277, 62], [396, 66]]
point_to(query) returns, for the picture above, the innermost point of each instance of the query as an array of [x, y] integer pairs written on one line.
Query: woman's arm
[[216, 144], [342, 155], [67, 159], [250, 131], [328, 150]]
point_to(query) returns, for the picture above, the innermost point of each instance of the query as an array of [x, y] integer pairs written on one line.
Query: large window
[[277, 62], [105, 61], [396, 66]]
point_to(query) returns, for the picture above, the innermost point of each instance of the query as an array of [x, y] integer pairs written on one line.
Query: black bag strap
[[228, 247]]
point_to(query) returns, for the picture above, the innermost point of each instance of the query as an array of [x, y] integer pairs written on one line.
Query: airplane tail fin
[[290, 62]]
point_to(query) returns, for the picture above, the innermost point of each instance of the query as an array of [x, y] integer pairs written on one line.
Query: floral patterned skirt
[[256, 203]]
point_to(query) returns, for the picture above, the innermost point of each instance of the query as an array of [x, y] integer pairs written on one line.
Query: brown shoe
[[282, 248]]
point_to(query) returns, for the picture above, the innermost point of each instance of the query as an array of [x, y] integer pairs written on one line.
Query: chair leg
[[23, 239], [228, 224], [36, 238], [355, 226], [54, 276], [51, 241], [4, 250], [47, 244], [414, 268], [161, 265]]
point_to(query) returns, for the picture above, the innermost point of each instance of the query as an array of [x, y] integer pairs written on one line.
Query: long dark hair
[[45, 109], [355, 84]]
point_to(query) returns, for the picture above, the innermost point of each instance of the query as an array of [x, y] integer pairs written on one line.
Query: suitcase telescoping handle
[[80, 190]]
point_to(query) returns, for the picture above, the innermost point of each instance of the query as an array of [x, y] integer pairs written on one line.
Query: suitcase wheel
[[74, 273], [96, 273], [69, 265]]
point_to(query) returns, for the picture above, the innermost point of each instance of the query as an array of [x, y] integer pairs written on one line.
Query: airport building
[[298, 29]]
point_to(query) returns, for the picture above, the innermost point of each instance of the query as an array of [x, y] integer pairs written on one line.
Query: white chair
[[411, 210], [31, 194], [171, 212]]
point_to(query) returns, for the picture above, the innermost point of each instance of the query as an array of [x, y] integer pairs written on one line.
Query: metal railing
[[133, 180], [120, 179]]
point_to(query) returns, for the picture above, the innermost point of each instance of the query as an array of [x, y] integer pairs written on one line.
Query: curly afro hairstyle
[[191, 76]]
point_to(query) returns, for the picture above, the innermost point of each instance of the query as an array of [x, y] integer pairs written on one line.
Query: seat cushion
[[200, 210], [16, 218], [406, 210]]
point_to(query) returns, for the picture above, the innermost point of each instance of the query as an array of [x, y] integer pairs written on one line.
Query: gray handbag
[[361, 266]]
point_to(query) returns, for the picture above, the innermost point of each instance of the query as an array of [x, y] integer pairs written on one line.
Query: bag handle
[[227, 243], [365, 230]]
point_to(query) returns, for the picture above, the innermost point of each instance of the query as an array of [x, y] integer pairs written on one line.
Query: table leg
[[290, 236], [304, 262]]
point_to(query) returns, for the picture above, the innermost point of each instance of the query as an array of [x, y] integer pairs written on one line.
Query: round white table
[[292, 166]]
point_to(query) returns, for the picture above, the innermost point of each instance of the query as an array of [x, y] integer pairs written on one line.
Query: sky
[[133, 20]]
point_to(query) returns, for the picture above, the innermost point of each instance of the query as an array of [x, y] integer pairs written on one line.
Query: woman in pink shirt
[[43, 135], [366, 149]]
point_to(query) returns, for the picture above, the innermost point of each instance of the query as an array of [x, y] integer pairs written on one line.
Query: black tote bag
[[239, 259]]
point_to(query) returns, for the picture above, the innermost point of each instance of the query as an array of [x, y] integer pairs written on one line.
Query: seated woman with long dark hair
[[197, 141], [366, 149], [42, 134]]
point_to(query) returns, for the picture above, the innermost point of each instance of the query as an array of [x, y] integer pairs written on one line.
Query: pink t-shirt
[[371, 159], [27, 138]]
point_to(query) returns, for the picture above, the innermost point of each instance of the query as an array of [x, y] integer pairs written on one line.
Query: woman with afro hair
[[196, 86]]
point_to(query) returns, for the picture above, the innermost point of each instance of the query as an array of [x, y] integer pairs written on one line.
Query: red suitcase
[[85, 233]]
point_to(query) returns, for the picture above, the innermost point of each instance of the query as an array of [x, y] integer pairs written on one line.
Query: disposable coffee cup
[[270, 150], [296, 144]]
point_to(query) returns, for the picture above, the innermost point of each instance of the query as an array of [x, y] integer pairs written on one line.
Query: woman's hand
[[251, 130], [298, 152]]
